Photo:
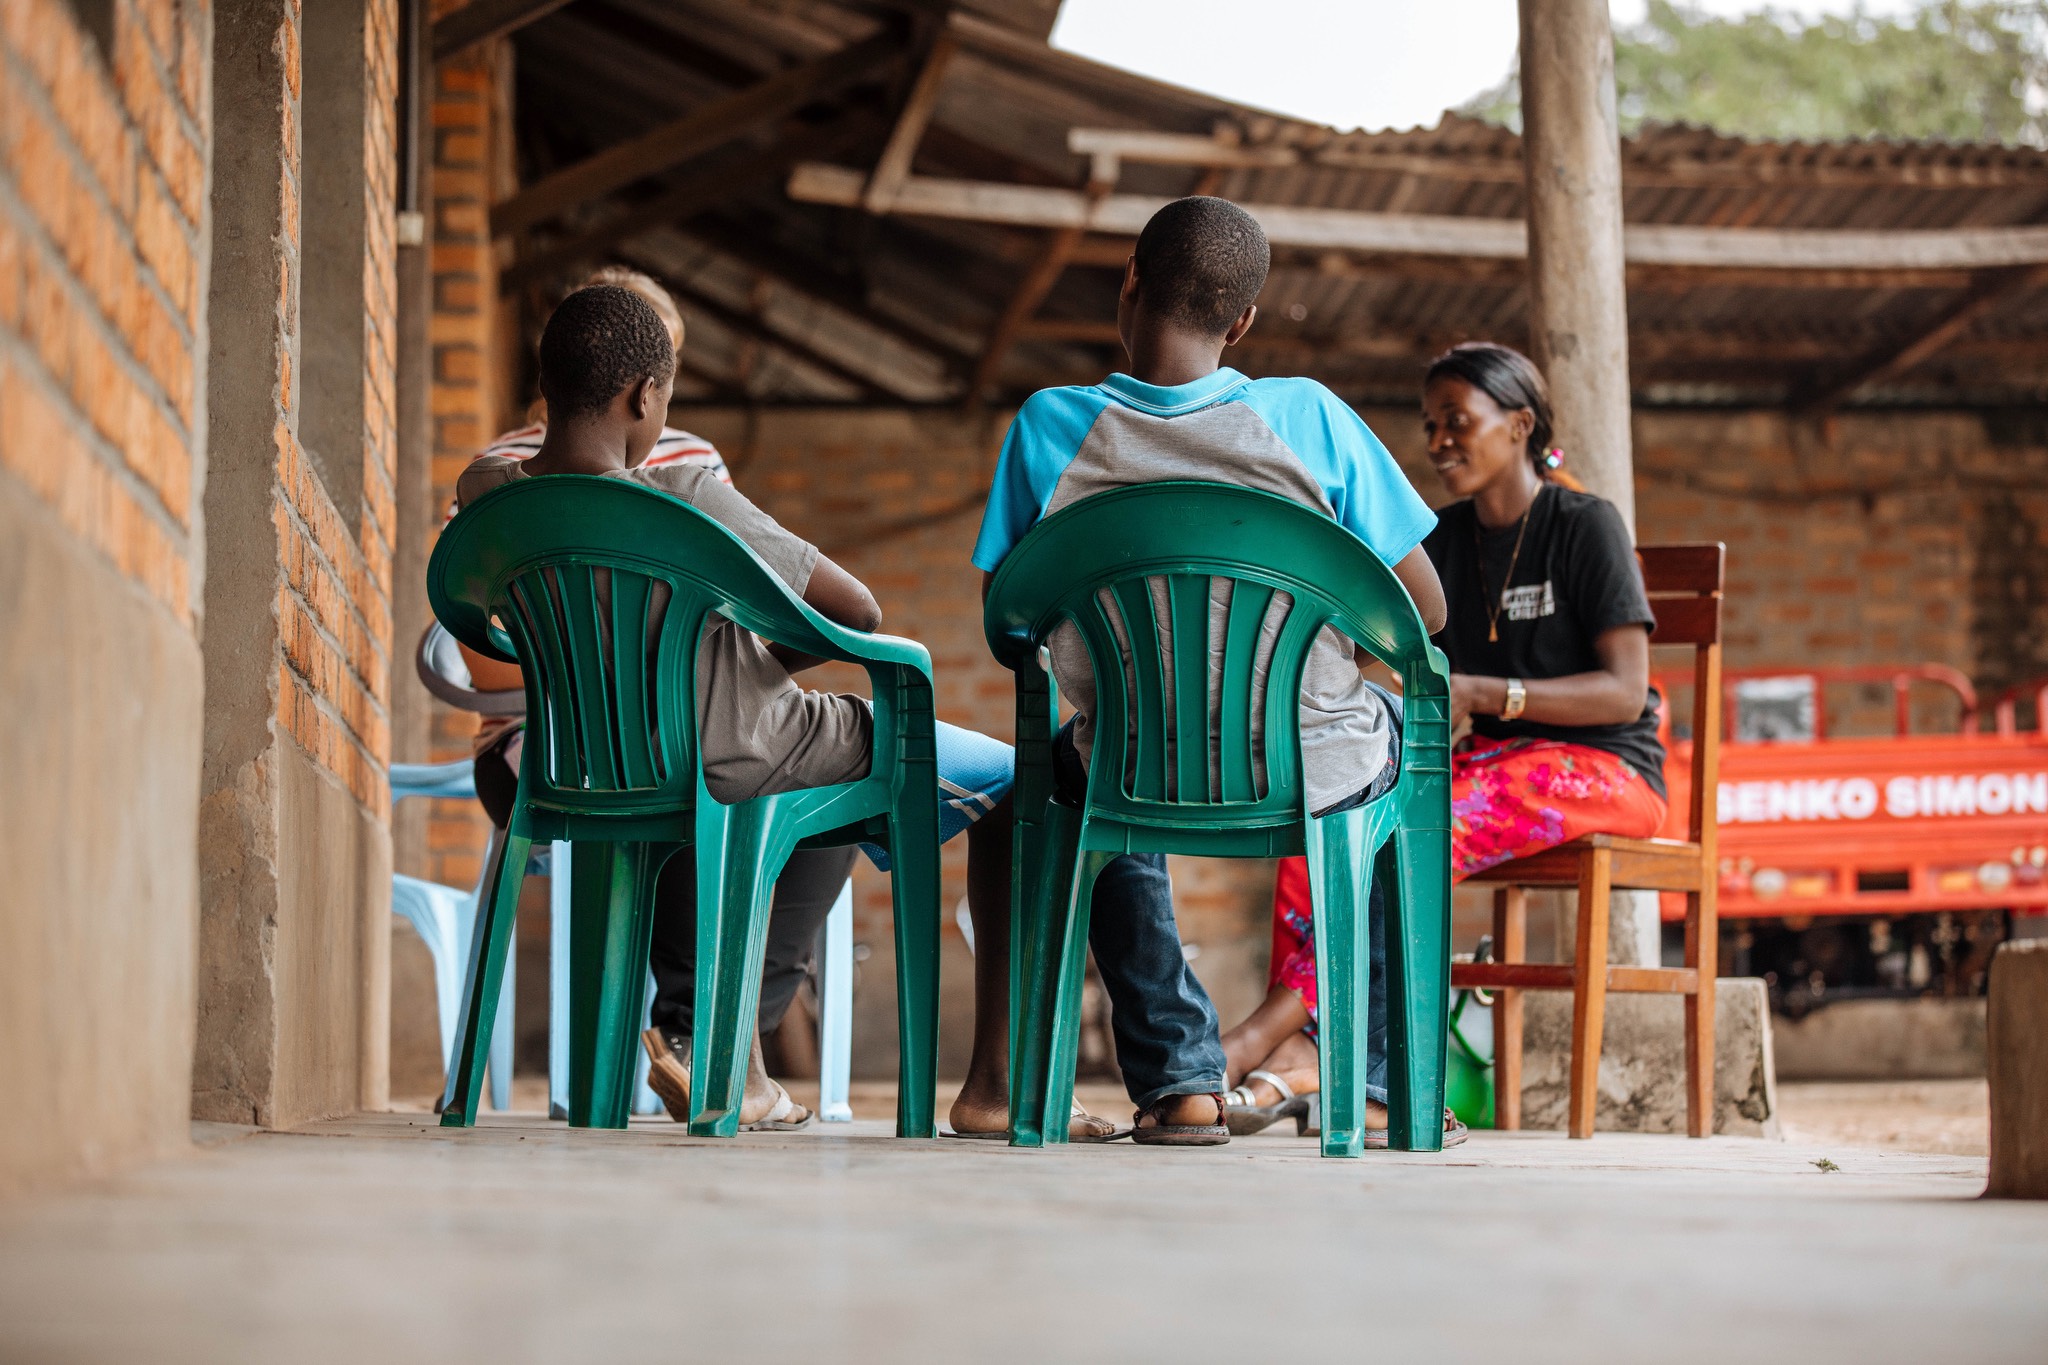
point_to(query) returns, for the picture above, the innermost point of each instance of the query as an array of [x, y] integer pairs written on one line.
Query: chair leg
[[1047, 966], [914, 889], [498, 911], [560, 875], [1417, 864], [1702, 954], [1510, 944], [737, 864], [500, 1074], [1340, 889], [645, 1101], [1589, 988], [609, 927], [835, 1011]]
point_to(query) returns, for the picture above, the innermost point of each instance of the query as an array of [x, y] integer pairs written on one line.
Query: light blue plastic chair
[[445, 918]]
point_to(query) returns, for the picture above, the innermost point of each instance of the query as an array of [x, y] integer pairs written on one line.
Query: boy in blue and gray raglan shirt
[[1188, 292]]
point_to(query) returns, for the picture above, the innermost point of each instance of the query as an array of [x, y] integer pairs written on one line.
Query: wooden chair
[[1684, 583]]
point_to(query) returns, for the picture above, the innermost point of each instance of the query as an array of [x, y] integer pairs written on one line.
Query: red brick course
[[102, 186], [465, 403]]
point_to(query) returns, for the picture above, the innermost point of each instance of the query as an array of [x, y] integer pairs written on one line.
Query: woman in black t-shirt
[[1549, 646]]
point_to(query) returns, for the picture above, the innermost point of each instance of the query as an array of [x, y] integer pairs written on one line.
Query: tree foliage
[[1954, 70]]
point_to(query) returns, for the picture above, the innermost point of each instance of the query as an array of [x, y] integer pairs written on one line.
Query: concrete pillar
[[2017, 1052], [294, 846]]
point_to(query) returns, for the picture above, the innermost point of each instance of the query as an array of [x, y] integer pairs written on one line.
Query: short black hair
[[1202, 261], [601, 341]]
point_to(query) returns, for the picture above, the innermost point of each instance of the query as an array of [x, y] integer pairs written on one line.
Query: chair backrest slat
[[592, 664], [1243, 628], [1147, 771], [1188, 595], [633, 660], [1688, 568], [1687, 620]]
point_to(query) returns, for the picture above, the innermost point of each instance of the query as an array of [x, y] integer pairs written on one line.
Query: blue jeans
[[1167, 1039]]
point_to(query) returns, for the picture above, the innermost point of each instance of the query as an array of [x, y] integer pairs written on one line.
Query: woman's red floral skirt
[[1507, 801]]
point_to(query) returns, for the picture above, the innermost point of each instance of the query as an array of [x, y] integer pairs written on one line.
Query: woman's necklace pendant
[[1492, 633]]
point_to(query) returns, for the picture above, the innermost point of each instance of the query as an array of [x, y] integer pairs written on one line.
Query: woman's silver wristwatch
[[1518, 697]]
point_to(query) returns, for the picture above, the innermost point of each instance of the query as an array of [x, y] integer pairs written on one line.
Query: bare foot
[[669, 1077], [977, 1111], [1197, 1112]]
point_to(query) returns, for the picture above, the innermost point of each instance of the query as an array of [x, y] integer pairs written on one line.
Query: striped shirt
[[672, 447]]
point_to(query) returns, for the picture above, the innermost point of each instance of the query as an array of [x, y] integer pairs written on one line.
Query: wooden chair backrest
[[1685, 585]]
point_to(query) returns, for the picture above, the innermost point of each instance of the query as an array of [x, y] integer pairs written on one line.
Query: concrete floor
[[384, 1239]]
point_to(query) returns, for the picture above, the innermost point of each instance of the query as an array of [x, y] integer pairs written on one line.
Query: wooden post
[[1578, 306], [1578, 286]]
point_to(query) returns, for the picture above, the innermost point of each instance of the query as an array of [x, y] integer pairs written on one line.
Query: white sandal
[[778, 1118], [1244, 1115]]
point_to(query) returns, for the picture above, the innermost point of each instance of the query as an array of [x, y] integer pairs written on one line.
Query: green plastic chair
[[600, 589], [1152, 795]]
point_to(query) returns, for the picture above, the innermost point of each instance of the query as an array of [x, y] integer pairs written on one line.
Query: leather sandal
[[1160, 1134], [1243, 1115]]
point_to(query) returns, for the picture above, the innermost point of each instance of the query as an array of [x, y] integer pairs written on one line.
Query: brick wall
[[101, 203], [1863, 550], [334, 594], [103, 266], [466, 402]]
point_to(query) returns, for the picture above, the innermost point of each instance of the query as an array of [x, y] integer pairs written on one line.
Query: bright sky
[[1349, 63]]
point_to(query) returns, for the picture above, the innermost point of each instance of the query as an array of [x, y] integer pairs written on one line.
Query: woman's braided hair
[[1513, 382]]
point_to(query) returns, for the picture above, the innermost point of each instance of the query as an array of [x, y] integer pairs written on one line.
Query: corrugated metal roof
[[603, 70]]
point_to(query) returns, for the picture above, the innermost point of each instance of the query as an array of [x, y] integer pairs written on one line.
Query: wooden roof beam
[[750, 324], [697, 189], [1890, 361], [1038, 281], [1788, 249], [803, 276], [893, 167], [482, 20], [695, 133]]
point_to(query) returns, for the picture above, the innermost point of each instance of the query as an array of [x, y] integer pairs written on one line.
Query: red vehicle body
[[1886, 824], [1888, 865]]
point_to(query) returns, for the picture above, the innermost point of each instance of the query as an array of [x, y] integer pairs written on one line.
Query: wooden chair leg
[[1510, 944], [1702, 954], [1589, 987]]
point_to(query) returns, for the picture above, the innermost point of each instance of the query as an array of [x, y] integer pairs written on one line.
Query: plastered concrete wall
[[103, 263], [100, 743]]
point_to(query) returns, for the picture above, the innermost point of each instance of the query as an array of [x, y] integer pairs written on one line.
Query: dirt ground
[[1946, 1117]]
